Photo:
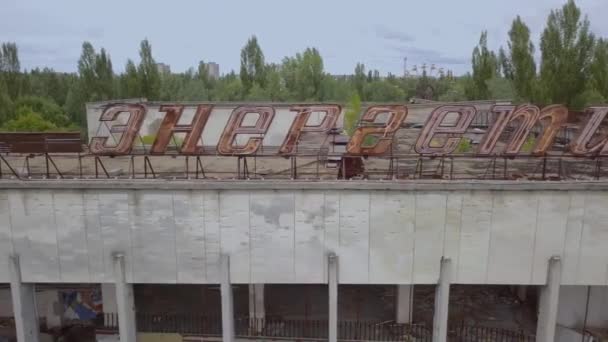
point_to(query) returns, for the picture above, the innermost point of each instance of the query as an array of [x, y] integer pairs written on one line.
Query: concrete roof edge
[[419, 185]]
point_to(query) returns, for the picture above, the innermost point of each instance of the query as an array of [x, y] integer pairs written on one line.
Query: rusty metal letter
[[170, 126], [129, 131], [234, 127], [299, 124], [528, 114], [397, 113], [557, 116], [434, 125], [581, 147]]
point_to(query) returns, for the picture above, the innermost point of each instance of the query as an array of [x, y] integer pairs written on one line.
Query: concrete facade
[[274, 232]]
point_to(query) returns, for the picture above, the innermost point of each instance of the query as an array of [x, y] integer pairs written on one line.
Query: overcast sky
[[376, 32]]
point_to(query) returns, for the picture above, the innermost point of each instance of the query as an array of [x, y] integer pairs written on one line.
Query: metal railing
[[312, 330]]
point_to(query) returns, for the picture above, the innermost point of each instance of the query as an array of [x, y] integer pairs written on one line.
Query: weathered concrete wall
[[384, 232], [574, 308]]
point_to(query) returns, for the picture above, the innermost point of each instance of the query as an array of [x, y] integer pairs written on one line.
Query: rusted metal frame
[[294, 167], [148, 164], [187, 167], [27, 164], [48, 160], [132, 166], [199, 168], [598, 167], [396, 168], [451, 168], [98, 163], [9, 167], [238, 167], [440, 166], [245, 168], [79, 165], [390, 172], [255, 163], [419, 165]]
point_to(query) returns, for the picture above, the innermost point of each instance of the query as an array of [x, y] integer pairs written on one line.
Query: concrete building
[[213, 70], [163, 68], [132, 232], [297, 258]]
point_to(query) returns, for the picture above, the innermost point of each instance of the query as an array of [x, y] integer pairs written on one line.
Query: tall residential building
[[213, 70], [163, 68]]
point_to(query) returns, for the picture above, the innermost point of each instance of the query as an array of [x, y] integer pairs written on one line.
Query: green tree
[[351, 115], [229, 88], [86, 69], [599, 68], [359, 80], [252, 64], [44, 107], [129, 81], [28, 121], [6, 104], [147, 72], [309, 76], [104, 76], [10, 68], [96, 75], [75, 104], [567, 49], [484, 63], [519, 66], [274, 84], [384, 91]]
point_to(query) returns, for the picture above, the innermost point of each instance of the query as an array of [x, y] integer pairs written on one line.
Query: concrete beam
[[125, 301], [442, 301], [257, 310], [332, 281], [403, 303], [24, 304], [549, 302], [227, 301], [277, 184]]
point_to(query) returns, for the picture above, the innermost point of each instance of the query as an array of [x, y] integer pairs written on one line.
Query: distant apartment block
[[163, 68], [213, 70]]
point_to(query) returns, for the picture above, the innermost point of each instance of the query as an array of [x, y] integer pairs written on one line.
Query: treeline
[[573, 70], [38, 96]]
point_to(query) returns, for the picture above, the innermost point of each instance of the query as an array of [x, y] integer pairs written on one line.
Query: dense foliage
[[573, 70]]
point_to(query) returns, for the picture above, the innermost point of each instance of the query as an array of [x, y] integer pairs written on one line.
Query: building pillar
[[403, 304], [227, 302], [442, 301], [110, 307], [522, 292], [125, 301], [332, 277], [257, 311], [24, 304], [549, 302]]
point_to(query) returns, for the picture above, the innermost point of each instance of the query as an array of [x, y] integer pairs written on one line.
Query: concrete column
[[24, 305], [227, 302], [332, 277], [442, 301], [257, 311], [522, 292], [110, 307], [403, 304], [549, 302], [125, 301]]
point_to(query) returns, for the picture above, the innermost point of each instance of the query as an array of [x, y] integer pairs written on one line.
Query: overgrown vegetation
[[573, 70]]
